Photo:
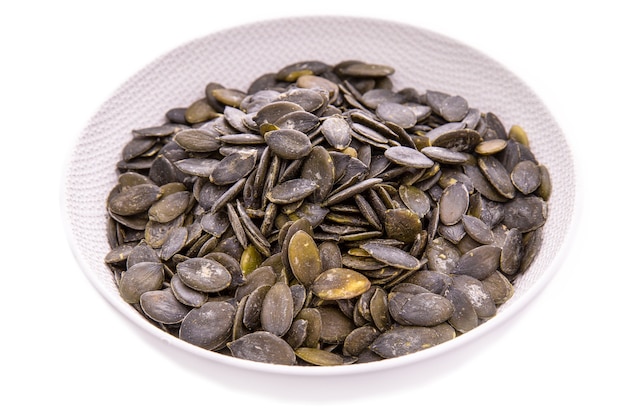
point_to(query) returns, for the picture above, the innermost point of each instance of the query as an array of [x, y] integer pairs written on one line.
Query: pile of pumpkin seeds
[[323, 217]]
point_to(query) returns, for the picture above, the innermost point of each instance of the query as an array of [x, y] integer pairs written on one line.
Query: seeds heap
[[321, 217]]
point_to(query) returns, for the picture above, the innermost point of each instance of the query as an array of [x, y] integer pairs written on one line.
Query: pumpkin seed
[[339, 284], [203, 274], [163, 307], [209, 326], [140, 278], [322, 217]]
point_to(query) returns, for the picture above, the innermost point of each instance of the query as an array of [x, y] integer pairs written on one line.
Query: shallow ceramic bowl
[[235, 57]]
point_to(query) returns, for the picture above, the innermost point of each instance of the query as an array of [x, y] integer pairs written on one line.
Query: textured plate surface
[[234, 57]]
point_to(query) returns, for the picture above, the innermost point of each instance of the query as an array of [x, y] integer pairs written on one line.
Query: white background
[[65, 350]]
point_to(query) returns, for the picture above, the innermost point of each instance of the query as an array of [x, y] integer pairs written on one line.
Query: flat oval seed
[[209, 326], [497, 175], [461, 140], [205, 275], [319, 168], [499, 287], [415, 199], [140, 278], [169, 207], [304, 257], [351, 191], [340, 284], [445, 155], [163, 307], [512, 252], [197, 140], [336, 326], [233, 167], [525, 213], [200, 167], [425, 309], [391, 255], [319, 357], [186, 294], [480, 299], [477, 229], [479, 262], [134, 200], [361, 69], [288, 143], [336, 131], [403, 340], [405, 156], [397, 113], [273, 111], [402, 224], [291, 191], [453, 203], [330, 255], [464, 317], [359, 339], [263, 347], [453, 108], [526, 176], [490, 147], [316, 82], [277, 309]]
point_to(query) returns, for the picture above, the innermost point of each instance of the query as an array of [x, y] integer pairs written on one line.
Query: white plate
[[234, 57]]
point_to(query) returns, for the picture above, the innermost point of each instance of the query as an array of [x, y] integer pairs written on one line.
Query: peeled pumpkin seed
[[186, 294], [480, 298], [322, 217], [359, 339], [169, 207], [319, 357], [304, 257], [277, 309], [197, 140], [140, 278], [134, 200], [405, 156], [403, 340], [208, 326], [453, 203], [499, 287], [337, 132], [339, 284], [479, 262], [423, 309], [288, 143], [162, 306], [335, 325], [391, 256], [204, 274], [291, 191], [253, 303], [263, 347], [464, 317]]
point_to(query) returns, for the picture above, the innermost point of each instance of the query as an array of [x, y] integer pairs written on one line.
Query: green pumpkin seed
[[322, 217], [339, 284], [209, 326], [204, 274], [140, 278], [263, 347]]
